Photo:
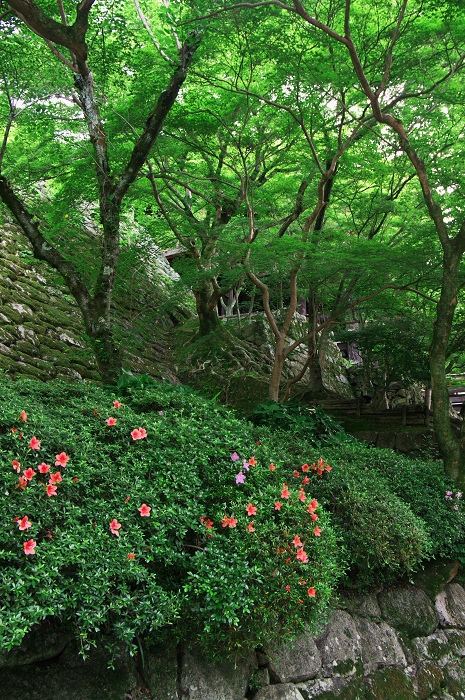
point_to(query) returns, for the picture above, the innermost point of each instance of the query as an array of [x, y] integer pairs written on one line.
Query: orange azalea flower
[[302, 556], [144, 510], [29, 547], [251, 510], [311, 592], [110, 421], [252, 462], [114, 527], [61, 459], [23, 416], [297, 542], [285, 493], [34, 444], [277, 505], [317, 531], [24, 524], [28, 474]]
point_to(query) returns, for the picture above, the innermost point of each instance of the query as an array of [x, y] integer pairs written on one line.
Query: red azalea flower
[[16, 465], [302, 495], [117, 404], [75, 479], [251, 510], [23, 416], [95, 411], [14, 430], [250, 528], [317, 531], [43, 468], [229, 522], [29, 547], [285, 493], [277, 505], [296, 474], [302, 556], [55, 478], [110, 421], [24, 524], [305, 467], [306, 480], [272, 467], [20, 436], [314, 516], [296, 541], [311, 592], [252, 462], [51, 490], [127, 499], [114, 527], [61, 459], [287, 560], [131, 555], [144, 510], [288, 588], [314, 504], [34, 444], [28, 474]]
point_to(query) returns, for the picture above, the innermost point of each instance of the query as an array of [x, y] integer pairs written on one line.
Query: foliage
[[111, 571], [313, 423]]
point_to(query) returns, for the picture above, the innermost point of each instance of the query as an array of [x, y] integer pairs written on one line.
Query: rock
[[286, 691], [389, 684], [161, 672], [43, 642], [409, 610], [450, 605], [386, 440], [428, 679], [369, 436], [436, 575], [407, 442], [339, 645], [203, 679], [379, 645], [362, 605], [456, 639], [332, 688], [435, 647], [295, 662]]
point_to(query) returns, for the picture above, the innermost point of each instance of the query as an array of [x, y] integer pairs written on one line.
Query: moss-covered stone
[[389, 684], [428, 679]]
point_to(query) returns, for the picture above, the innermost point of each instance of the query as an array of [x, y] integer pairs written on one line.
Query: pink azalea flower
[[61, 459], [55, 478], [144, 510], [302, 495], [114, 527], [143, 433], [131, 555], [302, 556], [314, 504], [24, 524], [117, 404], [272, 467], [16, 465], [28, 473], [229, 522], [110, 421], [250, 527], [277, 505], [305, 467], [29, 547], [43, 468], [311, 592], [251, 510], [51, 490], [234, 456], [297, 542], [305, 480], [23, 416], [240, 478], [317, 531], [138, 434], [34, 444], [285, 493], [245, 465]]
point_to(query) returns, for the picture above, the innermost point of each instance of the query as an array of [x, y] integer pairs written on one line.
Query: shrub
[[93, 556]]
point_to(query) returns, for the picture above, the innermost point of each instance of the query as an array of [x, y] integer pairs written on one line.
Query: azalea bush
[[127, 518]]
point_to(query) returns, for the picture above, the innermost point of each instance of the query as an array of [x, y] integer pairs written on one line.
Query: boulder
[[295, 662], [379, 644], [409, 610], [450, 605], [200, 678], [339, 645]]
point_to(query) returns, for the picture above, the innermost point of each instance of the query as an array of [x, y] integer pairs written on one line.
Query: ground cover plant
[[154, 512]]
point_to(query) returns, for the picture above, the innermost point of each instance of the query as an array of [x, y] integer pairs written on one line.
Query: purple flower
[[245, 465], [458, 494], [240, 478], [234, 456], [449, 495], [160, 413]]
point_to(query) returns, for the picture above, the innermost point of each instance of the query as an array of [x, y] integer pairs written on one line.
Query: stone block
[[379, 644], [428, 679], [362, 605], [450, 604], [284, 691], [339, 645], [200, 678], [435, 647], [295, 662], [389, 684], [409, 610], [386, 441]]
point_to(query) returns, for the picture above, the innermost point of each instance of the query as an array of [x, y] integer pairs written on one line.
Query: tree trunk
[[451, 447], [206, 300], [314, 367], [279, 358]]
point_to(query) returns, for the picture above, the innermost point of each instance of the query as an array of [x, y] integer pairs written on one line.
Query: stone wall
[[397, 644], [41, 330]]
